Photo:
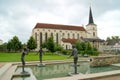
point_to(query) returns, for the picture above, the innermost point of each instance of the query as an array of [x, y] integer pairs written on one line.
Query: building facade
[[67, 35]]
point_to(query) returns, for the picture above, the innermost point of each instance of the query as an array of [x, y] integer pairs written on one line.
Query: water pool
[[62, 70]]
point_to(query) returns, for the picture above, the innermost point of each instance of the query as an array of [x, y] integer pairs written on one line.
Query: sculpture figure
[[40, 55], [75, 57], [24, 52]]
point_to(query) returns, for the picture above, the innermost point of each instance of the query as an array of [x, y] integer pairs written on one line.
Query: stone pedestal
[[41, 65]]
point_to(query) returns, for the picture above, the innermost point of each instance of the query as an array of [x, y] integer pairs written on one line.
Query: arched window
[[40, 38], [57, 38], [46, 36]]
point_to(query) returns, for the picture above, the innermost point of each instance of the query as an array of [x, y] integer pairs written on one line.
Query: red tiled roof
[[72, 41], [59, 26]]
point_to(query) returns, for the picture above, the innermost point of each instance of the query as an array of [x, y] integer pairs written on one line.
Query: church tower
[[91, 27]]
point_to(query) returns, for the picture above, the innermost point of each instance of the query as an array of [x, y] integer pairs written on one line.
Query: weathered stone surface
[[104, 60]]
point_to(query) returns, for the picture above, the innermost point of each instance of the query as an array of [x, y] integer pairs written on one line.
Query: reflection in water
[[62, 70], [59, 70]]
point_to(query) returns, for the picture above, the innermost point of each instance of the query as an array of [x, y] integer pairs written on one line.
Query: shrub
[[66, 52], [58, 47], [95, 53]]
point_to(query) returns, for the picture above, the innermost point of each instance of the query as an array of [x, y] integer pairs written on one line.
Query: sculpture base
[[75, 65], [70, 74], [41, 65], [22, 74], [25, 73]]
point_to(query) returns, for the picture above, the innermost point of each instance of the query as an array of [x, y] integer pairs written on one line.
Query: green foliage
[[58, 47], [88, 46], [9, 45], [78, 45], [94, 49], [44, 45], [3, 47], [85, 48], [14, 44], [95, 53], [50, 44], [113, 38], [64, 52], [31, 44]]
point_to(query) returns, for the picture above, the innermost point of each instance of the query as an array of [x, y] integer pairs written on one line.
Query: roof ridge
[[59, 26]]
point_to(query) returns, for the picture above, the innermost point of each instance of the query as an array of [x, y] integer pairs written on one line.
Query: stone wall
[[104, 60]]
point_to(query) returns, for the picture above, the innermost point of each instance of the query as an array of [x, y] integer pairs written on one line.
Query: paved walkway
[[2, 64]]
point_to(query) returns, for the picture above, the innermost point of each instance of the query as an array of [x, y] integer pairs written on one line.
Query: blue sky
[[18, 17]]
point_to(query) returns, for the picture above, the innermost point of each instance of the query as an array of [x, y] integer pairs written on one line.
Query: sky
[[19, 17]]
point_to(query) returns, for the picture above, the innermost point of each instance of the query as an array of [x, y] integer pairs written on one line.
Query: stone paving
[[2, 64]]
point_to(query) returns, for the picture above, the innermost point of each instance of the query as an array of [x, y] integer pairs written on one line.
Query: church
[[67, 35]]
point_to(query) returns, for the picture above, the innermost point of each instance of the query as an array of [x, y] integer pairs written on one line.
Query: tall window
[[77, 36], [46, 36], [63, 35], [66, 47], [94, 34], [51, 34], [40, 38], [36, 37], [57, 38], [73, 35], [68, 35]]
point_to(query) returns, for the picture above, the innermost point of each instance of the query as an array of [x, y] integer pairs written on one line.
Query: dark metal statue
[[24, 52], [40, 55], [75, 56]]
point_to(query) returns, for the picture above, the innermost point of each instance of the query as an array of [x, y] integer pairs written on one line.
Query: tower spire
[[90, 17]]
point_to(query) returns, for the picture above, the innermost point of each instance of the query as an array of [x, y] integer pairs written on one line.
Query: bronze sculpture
[[75, 56], [24, 52]]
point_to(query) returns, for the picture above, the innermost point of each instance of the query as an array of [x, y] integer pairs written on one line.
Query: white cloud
[[20, 16], [108, 24]]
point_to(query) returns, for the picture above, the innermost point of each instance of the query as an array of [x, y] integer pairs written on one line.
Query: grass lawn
[[16, 57]]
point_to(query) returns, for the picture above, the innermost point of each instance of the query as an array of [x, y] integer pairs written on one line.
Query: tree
[[50, 44], [3, 47], [14, 44], [112, 40], [78, 45], [86, 48], [58, 47], [9, 45], [17, 45], [31, 44], [44, 45]]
